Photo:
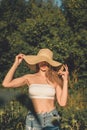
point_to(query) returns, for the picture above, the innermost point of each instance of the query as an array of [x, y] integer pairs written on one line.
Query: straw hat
[[43, 55]]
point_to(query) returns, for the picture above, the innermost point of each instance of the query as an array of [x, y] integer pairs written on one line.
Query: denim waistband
[[42, 120], [53, 112]]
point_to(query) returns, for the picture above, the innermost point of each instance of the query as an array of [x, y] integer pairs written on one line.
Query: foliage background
[[26, 27]]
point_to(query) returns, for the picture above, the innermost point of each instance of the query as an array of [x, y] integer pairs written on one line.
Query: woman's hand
[[64, 73], [19, 58], [62, 93]]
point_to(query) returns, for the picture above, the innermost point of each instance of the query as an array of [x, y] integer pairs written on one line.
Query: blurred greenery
[[26, 27]]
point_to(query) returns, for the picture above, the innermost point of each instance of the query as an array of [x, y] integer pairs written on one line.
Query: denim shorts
[[46, 121]]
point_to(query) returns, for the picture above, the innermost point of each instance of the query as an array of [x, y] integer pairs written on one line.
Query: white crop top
[[41, 91]]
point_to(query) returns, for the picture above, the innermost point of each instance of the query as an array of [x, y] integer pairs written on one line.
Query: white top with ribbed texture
[[41, 91]]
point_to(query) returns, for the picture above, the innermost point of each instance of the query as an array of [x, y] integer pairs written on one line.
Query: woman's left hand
[[64, 73]]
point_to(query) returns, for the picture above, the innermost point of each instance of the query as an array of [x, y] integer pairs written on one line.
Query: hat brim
[[33, 60]]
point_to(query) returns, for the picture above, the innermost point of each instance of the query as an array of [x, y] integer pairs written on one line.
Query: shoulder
[[29, 78]]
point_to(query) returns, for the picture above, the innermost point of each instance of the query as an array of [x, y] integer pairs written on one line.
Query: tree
[[75, 13], [29, 26]]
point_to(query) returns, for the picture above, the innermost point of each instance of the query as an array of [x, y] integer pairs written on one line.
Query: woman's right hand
[[19, 58]]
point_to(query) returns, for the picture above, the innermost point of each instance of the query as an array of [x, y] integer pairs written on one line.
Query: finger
[[61, 73], [20, 55], [66, 67]]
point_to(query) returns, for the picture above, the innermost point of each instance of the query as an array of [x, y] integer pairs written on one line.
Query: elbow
[[4, 85], [63, 104]]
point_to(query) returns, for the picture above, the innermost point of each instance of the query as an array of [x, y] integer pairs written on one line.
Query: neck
[[43, 76], [42, 73]]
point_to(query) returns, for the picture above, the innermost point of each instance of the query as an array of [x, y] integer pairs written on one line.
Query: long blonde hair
[[52, 76]]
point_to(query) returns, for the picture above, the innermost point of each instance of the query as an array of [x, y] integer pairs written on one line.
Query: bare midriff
[[43, 105]]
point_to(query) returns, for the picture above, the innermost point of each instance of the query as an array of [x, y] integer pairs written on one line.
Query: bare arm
[[62, 93], [8, 80]]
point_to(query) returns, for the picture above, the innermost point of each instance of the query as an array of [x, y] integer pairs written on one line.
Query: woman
[[45, 85]]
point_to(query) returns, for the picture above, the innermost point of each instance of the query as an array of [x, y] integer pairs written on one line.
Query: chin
[[43, 70]]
